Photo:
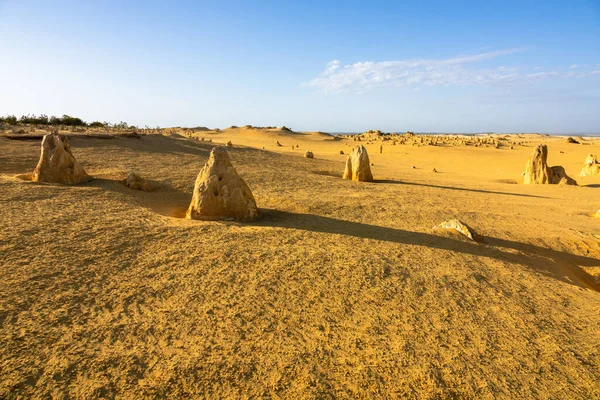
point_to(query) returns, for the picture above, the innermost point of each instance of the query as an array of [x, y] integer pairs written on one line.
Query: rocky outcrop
[[220, 193], [358, 166], [57, 163], [136, 182], [591, 167], [538, 172]]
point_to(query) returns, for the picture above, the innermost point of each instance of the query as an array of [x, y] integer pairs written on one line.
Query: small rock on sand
[[136, 182], [309, 154], [461, 228]]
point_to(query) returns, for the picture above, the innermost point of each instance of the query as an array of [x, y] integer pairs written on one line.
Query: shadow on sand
[[164, 199], [394, 182], [560, 265]]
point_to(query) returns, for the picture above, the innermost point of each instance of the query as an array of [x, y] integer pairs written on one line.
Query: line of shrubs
[[65, 120]]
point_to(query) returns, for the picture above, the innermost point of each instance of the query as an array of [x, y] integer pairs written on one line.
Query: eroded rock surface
[[57, 163], [358, 166], [220, 193]]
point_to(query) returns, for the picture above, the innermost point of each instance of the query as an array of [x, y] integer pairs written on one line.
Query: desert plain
[[340, 289]]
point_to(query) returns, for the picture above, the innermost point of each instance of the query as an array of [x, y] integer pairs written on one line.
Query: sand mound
[[358, 166], [57, 163], [591, 167], [136, 182], [538, 172], [220, 193]]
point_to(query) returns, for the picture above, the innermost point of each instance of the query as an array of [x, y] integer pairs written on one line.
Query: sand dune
[[341, 289]]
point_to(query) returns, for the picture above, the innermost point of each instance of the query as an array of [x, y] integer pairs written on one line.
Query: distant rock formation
[[571, 140], [57, 163], [538, 172], [136, 182], [460, 227], [220, 193], [309, 154], [591, 167], [358, 165]]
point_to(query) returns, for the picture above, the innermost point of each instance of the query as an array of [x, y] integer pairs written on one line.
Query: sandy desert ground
[[341, 290]]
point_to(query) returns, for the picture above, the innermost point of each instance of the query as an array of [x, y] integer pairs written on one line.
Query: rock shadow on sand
[[395, 182], [164, 199], [560, 265]]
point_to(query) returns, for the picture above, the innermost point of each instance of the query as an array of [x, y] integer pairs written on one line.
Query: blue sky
[[444, 66]]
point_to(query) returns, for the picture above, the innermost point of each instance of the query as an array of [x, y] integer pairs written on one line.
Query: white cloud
[[573, 66], [361, 77]]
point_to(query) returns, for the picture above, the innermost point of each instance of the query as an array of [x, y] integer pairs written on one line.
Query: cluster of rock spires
[[538, 172], [220, 193], [412, 139]]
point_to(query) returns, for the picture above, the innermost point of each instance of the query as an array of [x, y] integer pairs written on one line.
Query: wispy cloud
[[458, 71]]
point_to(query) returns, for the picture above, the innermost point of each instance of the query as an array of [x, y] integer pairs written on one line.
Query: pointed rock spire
[[220, 193]]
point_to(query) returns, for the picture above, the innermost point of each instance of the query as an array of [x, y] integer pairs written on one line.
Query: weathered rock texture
[[134, 181], [358, 166], [591, 167], [220, 193], [538, 172], [461, 228], [309, 154], [57, 163]]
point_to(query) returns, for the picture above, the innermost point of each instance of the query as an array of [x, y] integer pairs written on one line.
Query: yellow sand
[[342, 289]]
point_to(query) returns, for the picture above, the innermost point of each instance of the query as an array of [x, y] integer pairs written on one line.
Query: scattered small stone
[[309, 154], [229, 144]]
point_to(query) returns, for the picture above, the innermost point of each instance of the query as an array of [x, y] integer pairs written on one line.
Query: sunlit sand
[[339, 289]]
